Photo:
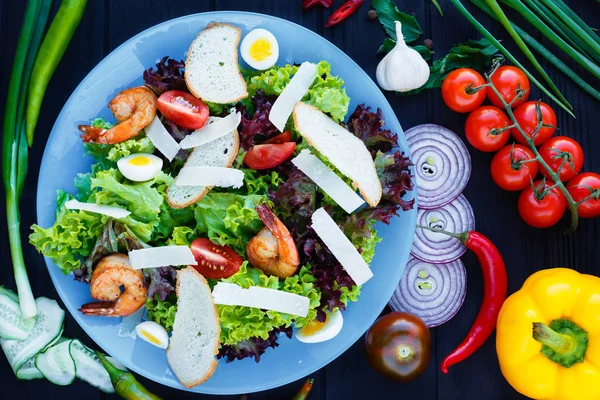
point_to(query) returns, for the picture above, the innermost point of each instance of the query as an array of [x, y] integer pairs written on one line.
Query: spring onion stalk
[[10, 157], [594, 45], [461, 8], [544, 52], [438, 7], [577, 19], [496, 9], [550, 34]]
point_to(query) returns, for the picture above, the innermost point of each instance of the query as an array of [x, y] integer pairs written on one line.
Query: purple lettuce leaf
[[160, 281], [167, 76], [254, 347], [396, 179], [367, 126], [257, 124]]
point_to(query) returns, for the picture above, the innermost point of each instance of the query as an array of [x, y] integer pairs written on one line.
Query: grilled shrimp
[[111, 273], [273, 249], [134, 108]]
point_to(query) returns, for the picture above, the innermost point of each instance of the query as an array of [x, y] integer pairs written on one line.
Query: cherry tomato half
[[562, 150], [398, 346], [507, 79], [509, 170], [215, 261], [582, 187], [526, 116], [183, 108], [483, 128], [454, 90], [540, 207], [281, 138], [265, 156]]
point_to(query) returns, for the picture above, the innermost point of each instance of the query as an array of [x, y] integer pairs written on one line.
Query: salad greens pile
[[228, 216]]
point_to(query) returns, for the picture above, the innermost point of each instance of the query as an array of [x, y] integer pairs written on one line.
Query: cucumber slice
[[29, 371], [12, 295], [56, 364], [12, 324], [48, 327], [89, 368]]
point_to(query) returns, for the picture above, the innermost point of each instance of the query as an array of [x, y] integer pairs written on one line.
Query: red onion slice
[[434, 247], [442, 164], [433, 292]]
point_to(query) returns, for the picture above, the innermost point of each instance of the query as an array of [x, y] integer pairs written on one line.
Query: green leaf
[[387, 13]]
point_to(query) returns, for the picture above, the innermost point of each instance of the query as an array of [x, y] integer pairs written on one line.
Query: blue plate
[[64, 158]]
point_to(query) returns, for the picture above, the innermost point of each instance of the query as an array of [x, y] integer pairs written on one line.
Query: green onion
[[438, 7], [550, 34], [461, 8], [565, 8], [497, 10]]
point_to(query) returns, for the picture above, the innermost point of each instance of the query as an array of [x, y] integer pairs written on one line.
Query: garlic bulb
[[403, 68]]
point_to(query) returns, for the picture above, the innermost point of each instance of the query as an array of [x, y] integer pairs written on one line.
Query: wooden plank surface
[[107, 24]]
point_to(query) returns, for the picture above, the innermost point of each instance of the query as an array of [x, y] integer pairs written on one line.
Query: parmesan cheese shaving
[[291, 94], [113, 212], [341, 247], [215, 128], [161, 139], [154, 257], [258, 297], [210, 176], [327, 180]]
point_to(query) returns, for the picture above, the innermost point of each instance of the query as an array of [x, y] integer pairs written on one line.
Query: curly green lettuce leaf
[[162, 312], [242, 323]]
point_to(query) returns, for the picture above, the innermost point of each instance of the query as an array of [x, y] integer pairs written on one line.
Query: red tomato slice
[[281, 138], [265, 156], [214, 261], [182, 108]]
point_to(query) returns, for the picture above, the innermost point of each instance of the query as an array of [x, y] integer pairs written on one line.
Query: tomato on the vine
[[541, 205], [486, 128], [586, 186], [514, 167], [562, 150], [526, 117], [507, 79], [456, 90]]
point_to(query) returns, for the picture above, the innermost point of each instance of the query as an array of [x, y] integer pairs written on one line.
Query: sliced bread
[[196, 330], [212, 72], [344, 150], [220, 152]]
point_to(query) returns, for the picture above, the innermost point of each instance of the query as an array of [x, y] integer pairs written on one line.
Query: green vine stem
[[530, 141]]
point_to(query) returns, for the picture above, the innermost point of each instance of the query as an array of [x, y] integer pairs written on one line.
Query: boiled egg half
[[316, 332], [140, 167], [153, 333], [260, 49]]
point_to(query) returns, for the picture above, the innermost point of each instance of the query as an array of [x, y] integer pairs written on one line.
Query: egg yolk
[[314, 327], [139, 161], [260, 50], [151, 338]]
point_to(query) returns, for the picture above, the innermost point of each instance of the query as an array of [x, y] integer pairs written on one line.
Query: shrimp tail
[[269, 219], [100, 308], [91, 133]]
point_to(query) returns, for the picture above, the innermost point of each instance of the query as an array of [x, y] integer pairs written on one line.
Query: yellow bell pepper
[[548, 336]]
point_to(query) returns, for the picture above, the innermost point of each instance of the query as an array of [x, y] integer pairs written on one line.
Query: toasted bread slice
[[344, 150], [220, 152], [196, 331], [212, 71]]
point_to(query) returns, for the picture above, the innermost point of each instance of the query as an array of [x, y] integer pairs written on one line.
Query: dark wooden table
[[107, 24]]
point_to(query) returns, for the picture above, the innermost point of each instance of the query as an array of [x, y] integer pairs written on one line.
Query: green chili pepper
[[55, 43], [125, 383]]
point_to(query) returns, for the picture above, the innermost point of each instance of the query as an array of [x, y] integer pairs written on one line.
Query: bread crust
[[370, 200], [214, 363], [199, 196], [210, 26]]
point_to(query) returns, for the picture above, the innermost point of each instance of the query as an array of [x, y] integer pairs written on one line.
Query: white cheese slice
[[341, 247], [210, 176], [231, 294], [161, 257], [114, 212], [327, 180], [215, 128], [291, 94], [161, 139]]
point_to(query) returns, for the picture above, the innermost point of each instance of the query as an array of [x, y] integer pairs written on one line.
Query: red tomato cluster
[[514, 167]]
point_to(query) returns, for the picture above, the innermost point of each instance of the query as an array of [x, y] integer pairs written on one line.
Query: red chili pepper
[[346, 10], [305, 390], [307, 4], [494, 293]]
